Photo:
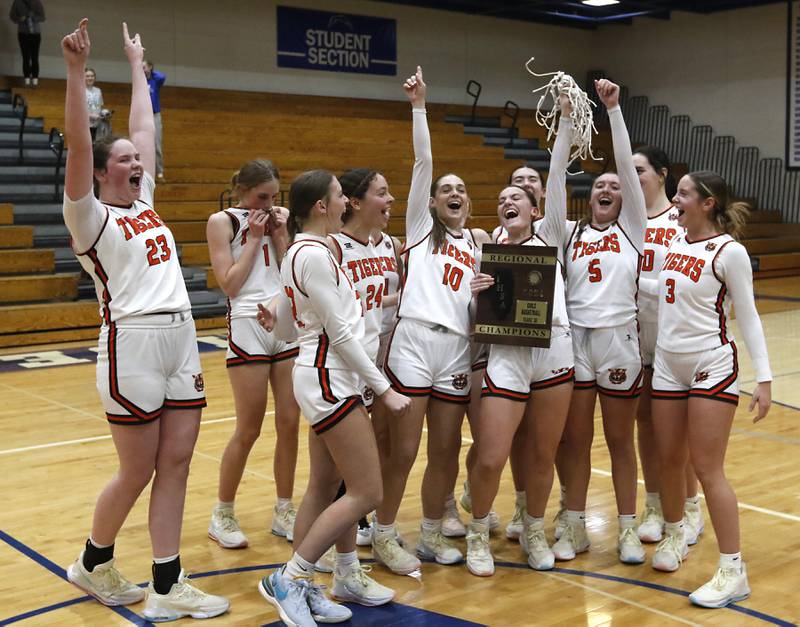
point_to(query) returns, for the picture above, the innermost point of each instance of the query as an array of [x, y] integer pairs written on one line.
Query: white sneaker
[[224, 529], [452, 526], [183, 599], [494, 521], [651, 528], [327, 562], [356, 586], [573, 540], [323, 610], [283, 521], [560, 522], [630, 547], [387, 551], [479, 554], [466, 499], [105, 583], [670, 553], [693, 515], [364, 535], [289, 596], [515, 527], [534, 543], [726, 587], [433, 545]]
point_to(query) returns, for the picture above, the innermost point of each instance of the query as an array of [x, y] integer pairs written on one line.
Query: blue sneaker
[[289, 596]]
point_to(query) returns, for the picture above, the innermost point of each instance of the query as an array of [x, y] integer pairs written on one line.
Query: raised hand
[[75, 46], [608, 92], [132, 46], [415, 88]]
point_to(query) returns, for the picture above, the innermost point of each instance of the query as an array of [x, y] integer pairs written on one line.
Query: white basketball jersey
[[436, 289], [362, 265], [264, 280], [657, 237], [602, 276], [693, 300], [309, 254], [134, 262], [391, 276]]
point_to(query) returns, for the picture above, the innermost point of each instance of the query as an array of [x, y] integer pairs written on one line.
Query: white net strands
[[582, 116]]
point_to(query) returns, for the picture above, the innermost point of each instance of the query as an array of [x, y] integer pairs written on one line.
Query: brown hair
[[529, 194], [439, 230], [306, 189], [101, 151], [729, 217], [252, 174], [355, 183]]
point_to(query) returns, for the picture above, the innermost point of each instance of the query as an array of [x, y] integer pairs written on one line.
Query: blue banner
[[336, 42]]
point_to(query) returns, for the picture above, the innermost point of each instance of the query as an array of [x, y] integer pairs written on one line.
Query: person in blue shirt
[[156, 79]]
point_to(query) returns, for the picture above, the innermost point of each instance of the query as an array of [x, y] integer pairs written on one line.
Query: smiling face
[[606, 198], [693, 209], [375, 208], [89, 77], [529, 178], [515, 210], [450, 201], [120, 181], [261, 196], [334, 205]]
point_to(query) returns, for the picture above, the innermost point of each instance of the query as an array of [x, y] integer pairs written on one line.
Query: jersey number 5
[[452, 276], [156, 246], [595, 276]]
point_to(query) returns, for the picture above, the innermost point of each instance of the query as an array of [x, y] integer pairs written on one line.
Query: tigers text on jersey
[[385, 249], [658, 235], [437, 286], [264, 280], [134, 260], [361, 264], [602, 276]]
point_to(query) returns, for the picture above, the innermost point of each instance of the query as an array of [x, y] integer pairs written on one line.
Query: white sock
[[521, 498], [535, 523], [575, 517], [653, 499], [483, 523], [164, 560], [626, 521], [431, 525], [731, 560], [283, 503], [97, 545], [673, 528], [346, 561], [384, 530], [297, 567], [224, 505], [693, 500]]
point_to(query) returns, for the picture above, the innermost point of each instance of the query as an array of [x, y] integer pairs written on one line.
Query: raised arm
[[633, 215], [418, 218], [231, 274], [78, 177], [141, 126], [553, 227]]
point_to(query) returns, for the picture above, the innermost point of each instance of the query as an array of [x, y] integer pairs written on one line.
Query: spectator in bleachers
[[156, 79], [99, 116], [28, 15]]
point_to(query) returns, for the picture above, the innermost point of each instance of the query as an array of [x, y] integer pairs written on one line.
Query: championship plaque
[[518, 308]]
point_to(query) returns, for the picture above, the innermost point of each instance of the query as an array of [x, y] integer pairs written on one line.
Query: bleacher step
[[36, 288]]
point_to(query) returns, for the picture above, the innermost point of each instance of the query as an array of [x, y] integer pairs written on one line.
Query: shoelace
[[537, 541], [111, 579], [722, 578], [569, 535], [670, 543], [628, 536], [391, 546], [518, 512], [439, 541], [649, 513], [228, 521], [479, 543], [287, 515], [298, 589]]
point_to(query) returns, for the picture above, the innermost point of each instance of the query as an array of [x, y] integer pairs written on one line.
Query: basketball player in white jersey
[[328, 377], [148, 367], [602, 258], [246, 244], [695, 378], [429, 353], [658, 186], [533, 385]]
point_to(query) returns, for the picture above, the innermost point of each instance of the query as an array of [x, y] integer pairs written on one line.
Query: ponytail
[[729, 217]]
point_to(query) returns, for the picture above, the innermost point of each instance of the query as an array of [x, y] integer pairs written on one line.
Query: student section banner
[[336, 42]]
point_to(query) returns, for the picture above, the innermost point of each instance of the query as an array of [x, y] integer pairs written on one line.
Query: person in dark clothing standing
[[28, 15]]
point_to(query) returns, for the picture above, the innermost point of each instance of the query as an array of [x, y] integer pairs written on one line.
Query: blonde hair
[[730, 217]]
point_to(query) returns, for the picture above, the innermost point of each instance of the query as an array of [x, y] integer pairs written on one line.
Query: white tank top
[[391, 274], [264, 280], [134, 262], [306, 256], [361, 264], [658, 235]]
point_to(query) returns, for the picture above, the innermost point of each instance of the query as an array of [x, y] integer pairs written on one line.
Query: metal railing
[[474, 89], [19, 106], [225, 199], [56, 143]]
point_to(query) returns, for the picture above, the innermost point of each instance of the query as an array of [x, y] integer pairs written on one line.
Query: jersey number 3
[[157, 250]]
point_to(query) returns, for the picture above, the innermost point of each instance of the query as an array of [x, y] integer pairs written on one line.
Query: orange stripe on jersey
[[324, 377], [113, 384], [494, 390], [322, 350], [103, 276], [186, 404], [565, 377], [670, 395], [450, 398], [719, 306], [338, 415]]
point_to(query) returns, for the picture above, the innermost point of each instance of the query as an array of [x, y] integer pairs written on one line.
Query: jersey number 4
[[157, 250]]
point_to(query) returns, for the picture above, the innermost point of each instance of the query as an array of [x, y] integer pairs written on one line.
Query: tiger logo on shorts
[[701, 376], [368, 394], [460, 381], [199, 385], [618, 375]]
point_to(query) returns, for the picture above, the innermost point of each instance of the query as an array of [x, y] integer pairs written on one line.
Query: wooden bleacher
[[209, 133]]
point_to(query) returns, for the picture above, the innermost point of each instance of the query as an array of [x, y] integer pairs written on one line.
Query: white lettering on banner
[[327, 39], [338, 58], [44, 359], [338, 49]]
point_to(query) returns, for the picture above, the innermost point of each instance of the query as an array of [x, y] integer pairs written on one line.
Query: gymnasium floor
[[56, 454]]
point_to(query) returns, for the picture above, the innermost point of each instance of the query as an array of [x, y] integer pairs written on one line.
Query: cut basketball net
[[582, 117]]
